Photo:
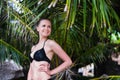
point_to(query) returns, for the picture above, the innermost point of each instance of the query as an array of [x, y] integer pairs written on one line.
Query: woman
[[42, 53]]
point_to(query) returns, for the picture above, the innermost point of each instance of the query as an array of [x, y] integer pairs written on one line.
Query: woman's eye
[[49, 26], [43, 25]]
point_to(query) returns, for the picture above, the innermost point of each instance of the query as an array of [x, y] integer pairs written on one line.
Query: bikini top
[[40, 55]]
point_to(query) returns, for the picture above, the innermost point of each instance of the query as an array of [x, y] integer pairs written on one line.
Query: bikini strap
[[44, 43]]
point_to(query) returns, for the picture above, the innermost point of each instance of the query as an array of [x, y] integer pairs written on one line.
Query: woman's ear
[[37, 28]]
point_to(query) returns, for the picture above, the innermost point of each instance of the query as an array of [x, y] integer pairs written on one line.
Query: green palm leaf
[[9, 52]]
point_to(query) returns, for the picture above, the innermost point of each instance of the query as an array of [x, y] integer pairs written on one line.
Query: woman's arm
[[30, 69], [62, 55], [29, 76]]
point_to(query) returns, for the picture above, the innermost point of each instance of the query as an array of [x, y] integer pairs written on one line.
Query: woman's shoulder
[[51, 42], [32, 48]]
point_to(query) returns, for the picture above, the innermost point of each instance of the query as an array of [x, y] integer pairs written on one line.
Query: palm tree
[[81, 27]]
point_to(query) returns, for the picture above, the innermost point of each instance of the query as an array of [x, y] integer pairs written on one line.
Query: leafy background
[[88, 30]]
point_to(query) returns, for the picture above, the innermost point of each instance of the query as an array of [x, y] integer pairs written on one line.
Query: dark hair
[[38, 22]]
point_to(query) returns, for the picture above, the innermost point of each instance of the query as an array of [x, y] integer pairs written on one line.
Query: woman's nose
[[46, 27]]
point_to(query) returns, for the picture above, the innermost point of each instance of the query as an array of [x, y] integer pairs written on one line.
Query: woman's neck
[[42, 39]]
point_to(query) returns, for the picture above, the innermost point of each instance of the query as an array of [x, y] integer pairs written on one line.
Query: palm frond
[[111, 77], [7, 51]]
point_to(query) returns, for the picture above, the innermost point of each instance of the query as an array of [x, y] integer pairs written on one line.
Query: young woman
[[42, 53]]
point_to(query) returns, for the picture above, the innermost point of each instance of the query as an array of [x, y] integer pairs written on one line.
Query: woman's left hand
[[48, 71], [45, 68]]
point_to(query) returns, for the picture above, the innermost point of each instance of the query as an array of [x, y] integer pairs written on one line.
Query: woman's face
[[44, 28]]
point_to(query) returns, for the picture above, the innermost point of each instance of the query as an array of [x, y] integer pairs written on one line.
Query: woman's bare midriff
[[38, 74]]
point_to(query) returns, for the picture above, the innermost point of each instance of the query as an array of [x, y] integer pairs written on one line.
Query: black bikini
[[40, 55]]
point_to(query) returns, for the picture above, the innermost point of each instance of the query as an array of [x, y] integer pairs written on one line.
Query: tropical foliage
[[84, 28]]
